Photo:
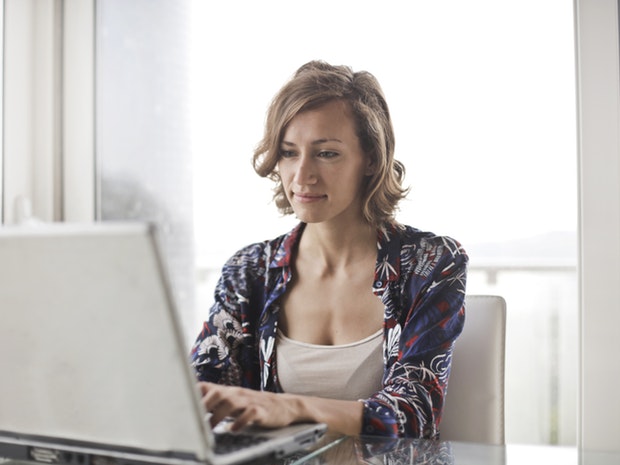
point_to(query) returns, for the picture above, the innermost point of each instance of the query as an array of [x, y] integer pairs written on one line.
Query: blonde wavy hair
[[313, 85]]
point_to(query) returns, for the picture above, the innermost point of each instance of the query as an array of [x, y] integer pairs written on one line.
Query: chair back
[[474, 403]]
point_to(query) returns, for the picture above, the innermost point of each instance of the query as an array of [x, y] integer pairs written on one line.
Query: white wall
[[599, 158]]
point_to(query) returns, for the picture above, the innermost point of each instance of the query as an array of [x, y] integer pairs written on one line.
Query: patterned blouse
[[420, 278]]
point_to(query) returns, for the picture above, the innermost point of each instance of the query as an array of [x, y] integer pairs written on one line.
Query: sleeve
[[420, 347], [223, 351]]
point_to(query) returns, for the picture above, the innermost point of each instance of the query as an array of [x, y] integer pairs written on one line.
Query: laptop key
[[227, 442]]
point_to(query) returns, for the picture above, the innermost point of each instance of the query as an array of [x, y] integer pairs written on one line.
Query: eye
[[327, 154], [286, 153]]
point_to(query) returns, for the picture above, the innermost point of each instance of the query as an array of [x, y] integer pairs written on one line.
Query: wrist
[[301, 408]]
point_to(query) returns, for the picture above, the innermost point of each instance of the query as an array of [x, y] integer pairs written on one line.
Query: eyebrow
[[314, 142]]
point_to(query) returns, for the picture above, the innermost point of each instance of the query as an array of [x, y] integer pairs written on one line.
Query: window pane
[[483, 102], [143, 151]]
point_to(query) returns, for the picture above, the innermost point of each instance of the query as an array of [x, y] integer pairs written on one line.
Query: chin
[[309, 218]]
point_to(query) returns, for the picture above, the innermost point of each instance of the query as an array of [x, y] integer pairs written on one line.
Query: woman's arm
[[274, 410], [225, 350], [427, 316]]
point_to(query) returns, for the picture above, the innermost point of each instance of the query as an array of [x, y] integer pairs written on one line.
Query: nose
[[305, 171]]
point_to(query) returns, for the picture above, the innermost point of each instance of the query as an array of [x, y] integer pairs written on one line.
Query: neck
[[338, 247]]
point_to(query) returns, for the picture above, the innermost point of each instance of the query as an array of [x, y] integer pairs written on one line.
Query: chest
[[331, 310]]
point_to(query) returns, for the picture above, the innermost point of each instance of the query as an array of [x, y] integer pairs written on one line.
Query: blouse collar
[[387, 268]]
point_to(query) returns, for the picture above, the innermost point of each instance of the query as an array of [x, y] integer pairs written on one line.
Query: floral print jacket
[[420, 278]]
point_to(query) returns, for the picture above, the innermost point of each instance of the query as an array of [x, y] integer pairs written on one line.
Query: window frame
[[48, 89], [598, 115]]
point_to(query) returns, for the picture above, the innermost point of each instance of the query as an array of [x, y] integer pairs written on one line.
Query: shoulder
[[420, 251], [428, 241], [410, 237], [260, 255]]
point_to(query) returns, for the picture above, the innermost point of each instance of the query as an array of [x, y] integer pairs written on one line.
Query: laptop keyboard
[[229, 442]]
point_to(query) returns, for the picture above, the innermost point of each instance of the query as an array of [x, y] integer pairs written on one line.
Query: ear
[[371, 167]]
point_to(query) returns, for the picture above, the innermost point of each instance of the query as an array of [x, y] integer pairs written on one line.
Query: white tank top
[[347, 372]]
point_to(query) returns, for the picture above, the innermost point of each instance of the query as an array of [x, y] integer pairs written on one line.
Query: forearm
[[341, 416], [274, 410]]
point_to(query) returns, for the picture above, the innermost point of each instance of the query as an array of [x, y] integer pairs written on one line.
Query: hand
[[248, 406]]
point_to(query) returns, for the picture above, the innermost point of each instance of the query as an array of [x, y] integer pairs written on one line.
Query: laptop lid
[[92, 361], [88, 322]]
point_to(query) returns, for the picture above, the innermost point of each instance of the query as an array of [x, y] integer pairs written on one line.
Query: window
[[483, 101], [144, 163]]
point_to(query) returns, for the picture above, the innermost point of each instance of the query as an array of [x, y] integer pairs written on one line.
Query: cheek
[[355, 179], [283, 174], [286, 178]]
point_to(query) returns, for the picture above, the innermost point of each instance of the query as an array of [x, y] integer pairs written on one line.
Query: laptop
[[93, 367]]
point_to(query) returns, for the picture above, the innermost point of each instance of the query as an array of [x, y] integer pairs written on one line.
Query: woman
[[350, 318]]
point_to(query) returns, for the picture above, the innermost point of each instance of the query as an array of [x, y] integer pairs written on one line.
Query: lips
[[308, 198]]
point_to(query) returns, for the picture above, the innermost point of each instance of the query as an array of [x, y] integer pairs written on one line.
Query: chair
[[474, 404]]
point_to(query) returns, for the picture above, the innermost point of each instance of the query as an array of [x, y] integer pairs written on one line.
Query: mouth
[[308, 198]]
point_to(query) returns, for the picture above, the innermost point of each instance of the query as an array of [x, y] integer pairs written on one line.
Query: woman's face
[[322, 165]]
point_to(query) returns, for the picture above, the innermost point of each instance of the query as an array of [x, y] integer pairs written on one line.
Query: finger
[[212, 395], [224, 404], [216, 418], [247, 417], [203, 387]]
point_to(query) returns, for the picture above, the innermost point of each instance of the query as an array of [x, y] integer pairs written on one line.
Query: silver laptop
[[93, 367]]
